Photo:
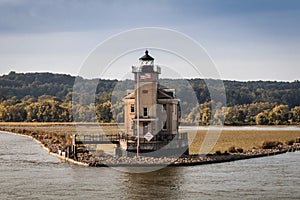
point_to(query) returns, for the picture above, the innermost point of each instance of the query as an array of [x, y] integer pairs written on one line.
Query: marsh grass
[[65, 128], [270, 144], [243, 139]]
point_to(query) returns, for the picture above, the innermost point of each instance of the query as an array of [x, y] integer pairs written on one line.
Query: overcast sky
[[247, 39]]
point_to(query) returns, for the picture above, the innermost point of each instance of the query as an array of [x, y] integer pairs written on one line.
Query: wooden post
[[74, 148]]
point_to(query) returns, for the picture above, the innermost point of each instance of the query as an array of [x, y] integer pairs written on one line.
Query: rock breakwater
[[60, 147]]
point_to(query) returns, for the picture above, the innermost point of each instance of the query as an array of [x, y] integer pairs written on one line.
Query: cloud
[[53, 16], [249, 34]]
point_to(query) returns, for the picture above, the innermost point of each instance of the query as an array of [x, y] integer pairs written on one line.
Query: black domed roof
[[146, 56]]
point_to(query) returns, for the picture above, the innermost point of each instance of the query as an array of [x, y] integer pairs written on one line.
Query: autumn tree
[[296, 114], [279, 115], [262, 118]]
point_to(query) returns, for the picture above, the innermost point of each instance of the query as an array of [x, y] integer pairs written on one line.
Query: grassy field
[[65, 128], [245, 139]]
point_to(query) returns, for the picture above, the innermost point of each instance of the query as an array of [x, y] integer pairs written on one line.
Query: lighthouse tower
[[151, 112], [145, 85]]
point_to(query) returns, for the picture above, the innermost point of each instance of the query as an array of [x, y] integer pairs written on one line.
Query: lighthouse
[[151, 112]]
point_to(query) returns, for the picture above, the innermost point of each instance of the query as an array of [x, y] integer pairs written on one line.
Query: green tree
[[103, 112]]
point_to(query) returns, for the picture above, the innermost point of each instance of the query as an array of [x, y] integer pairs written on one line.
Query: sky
[[246, 39]]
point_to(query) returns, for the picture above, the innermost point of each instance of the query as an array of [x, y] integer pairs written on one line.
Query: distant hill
[[237, 93], [47, 97], [38, 84]]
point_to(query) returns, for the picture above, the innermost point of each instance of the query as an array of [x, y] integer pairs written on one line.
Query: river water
[[29, 172]]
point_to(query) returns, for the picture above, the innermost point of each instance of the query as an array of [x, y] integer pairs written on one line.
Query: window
[[145, 112], [132, 108]]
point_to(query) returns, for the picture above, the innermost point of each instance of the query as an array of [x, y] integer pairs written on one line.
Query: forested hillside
[[48, 97]]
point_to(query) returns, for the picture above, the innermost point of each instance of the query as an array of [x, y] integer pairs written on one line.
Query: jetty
[[106, 160], [89, 158]]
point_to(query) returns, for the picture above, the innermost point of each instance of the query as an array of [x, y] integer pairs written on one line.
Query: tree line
[[262, 113], [47, 97]]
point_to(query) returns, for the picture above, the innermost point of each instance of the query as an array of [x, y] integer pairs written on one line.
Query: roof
[[130, 96], [146, 56], [161, 94]]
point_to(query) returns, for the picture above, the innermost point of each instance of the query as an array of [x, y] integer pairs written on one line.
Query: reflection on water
[[162, 184], [28, 172]]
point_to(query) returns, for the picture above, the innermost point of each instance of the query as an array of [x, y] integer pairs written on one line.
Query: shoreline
[[66, 159], [107, 161], [191, 160]]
